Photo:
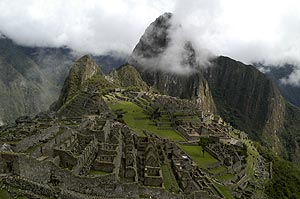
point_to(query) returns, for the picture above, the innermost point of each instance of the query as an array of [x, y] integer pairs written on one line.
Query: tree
[[204, 142]]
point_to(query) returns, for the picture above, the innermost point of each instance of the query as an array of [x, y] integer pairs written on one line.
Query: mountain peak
[[85, 68], [127, 76], [154, 41], [81, 72]]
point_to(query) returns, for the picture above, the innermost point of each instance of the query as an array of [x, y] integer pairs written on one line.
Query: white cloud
[[93, 26], [250, 30], [293, 79]]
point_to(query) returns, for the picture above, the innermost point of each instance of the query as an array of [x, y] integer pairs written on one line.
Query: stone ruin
[[92, 157]]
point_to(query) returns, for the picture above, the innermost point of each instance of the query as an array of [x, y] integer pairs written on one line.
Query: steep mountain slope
[[146, 58], [240, 93], [24, 88], [86, 84], [88, 131], [247, 99], [127, 76], [31, 77], [55, 62], [82, 88], [290, 133], [290, 92]]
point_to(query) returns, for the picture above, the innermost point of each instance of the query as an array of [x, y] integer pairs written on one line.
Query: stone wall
[[34, 170], [72, 186], [153, 181], [106, 130], [86, 158], [103, 166], [36, 138], [213, 165], [47, 148], [9, 163], [66, 158], [183, 132], [31, 186], [213, 154]]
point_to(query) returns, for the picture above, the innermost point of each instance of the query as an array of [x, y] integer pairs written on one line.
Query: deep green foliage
[[290, 134], [285, 183]]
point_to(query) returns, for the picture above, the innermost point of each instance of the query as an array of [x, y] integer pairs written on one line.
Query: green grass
[[195, 152], [68, 123], [5, 195], [285, 183], [33, 148], [252, 155], [188, 118], [93, 172], [131, 114], [170, 182], [226, 177], [251, 158], [222, 189], [217, 170]]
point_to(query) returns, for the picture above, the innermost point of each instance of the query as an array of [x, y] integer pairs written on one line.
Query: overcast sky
[[246, 30]]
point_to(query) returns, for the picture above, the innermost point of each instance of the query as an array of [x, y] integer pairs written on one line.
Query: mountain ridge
[[38, 78], [240, 93]]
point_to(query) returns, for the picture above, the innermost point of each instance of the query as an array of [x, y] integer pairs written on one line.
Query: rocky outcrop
[[127, 76], [24, 88], [148, 58], [31, 78], [82, 88], [82, 70], [246, 98], [243, 95]]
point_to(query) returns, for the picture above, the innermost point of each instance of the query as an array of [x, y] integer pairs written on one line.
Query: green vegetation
[[170, 182], [93, 172], [225, 191], [285, 183], [290, 134], [195, 152], [128, 77], [226, 177], [252, 155], [217, 170], [5, 195], [33, 148], [99, 82], [135, 117]]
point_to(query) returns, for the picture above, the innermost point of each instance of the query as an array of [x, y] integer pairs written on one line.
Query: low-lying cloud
[[250, 31]]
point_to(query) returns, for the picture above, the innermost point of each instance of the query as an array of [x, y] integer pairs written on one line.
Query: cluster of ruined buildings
[[182, 115], [89, 157], [92, 156], [193, 124]]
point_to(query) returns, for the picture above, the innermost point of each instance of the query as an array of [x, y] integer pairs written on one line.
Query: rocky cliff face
[[247, 98], [243, 95], [83, 70], [278, 73], [31, 78], [24, 89], [127, 76], [81, 89], [148, 58]]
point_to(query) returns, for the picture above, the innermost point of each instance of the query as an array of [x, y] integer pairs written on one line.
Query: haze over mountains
[[240, 93], [170, 62], [32, 77]]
